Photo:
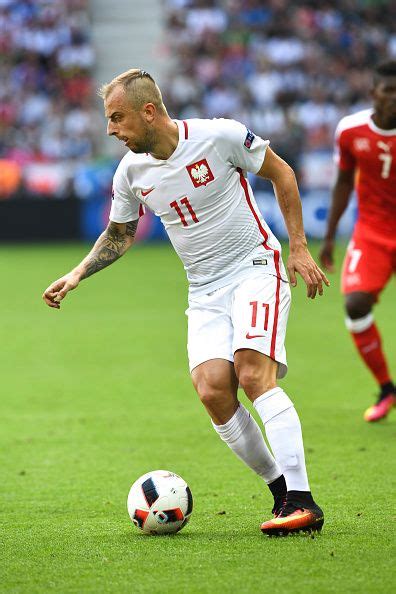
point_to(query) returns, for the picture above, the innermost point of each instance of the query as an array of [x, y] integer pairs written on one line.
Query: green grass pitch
[[98, 393]]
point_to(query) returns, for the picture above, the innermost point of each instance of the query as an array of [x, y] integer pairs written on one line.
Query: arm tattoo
[[131, 228], [110, 246]]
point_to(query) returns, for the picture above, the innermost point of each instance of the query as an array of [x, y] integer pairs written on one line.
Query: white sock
[[283, 430], [242, 434], [359, 325]]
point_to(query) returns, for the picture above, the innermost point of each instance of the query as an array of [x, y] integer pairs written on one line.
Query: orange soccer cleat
[[380, 409], [295, 517]]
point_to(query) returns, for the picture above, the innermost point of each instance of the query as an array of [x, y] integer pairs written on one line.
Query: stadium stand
[[47, 115], [289, 71], [55, 54]]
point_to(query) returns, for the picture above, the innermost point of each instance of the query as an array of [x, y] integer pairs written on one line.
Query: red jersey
[[371, 152]]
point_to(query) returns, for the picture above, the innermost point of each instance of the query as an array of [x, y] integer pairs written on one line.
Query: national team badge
[[200, 173], [249, 139], [361, 145]]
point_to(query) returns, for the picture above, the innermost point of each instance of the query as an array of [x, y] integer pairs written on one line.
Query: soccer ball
[[160, 502]]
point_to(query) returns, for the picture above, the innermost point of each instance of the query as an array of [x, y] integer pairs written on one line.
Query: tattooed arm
[[110, 245]]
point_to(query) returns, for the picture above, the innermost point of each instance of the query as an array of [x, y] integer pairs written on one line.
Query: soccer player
[[366, 157], [192, 174]]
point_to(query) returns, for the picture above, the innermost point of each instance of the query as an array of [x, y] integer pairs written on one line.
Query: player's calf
[[368, 342]]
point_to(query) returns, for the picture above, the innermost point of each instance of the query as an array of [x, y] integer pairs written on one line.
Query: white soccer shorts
[[249, 313]]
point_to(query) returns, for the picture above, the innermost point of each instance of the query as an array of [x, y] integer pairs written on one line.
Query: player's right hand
[[58, 290], [326, 255]]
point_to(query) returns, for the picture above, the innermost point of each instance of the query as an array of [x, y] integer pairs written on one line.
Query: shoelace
[[279, 504], [288, 508]]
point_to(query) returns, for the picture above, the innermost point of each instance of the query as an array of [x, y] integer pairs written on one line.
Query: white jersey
[[203, 197]]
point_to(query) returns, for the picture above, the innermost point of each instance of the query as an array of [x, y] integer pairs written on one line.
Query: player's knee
[[210, 396], [358, 305], [210, 390], [254, 381]]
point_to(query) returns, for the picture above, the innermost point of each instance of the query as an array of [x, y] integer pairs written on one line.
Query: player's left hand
[[301, 261]]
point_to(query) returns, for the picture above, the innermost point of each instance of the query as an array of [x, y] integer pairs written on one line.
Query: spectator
[[284, 68], [46, 96]]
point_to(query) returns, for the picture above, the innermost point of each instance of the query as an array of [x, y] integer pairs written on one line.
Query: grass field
[[98, 393]]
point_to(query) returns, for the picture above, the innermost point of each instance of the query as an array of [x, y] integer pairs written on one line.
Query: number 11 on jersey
[[179, 210]]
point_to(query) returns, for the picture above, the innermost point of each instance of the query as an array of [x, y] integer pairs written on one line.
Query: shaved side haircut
[[139, 86]]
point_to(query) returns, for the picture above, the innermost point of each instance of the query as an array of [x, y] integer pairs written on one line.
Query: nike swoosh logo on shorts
[[248, 336], [145, 193]]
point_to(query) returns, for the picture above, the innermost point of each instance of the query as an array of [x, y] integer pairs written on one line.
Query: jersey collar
[[375, 128]]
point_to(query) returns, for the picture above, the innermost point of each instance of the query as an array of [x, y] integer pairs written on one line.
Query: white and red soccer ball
[[160, 502]]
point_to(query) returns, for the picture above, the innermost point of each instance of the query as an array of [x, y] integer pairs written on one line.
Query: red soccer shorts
[[369, 262]]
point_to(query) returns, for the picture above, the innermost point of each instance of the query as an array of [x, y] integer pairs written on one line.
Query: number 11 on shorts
[[256, 313]]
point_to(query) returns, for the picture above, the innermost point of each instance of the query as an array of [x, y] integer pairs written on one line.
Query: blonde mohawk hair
[[139, 86]]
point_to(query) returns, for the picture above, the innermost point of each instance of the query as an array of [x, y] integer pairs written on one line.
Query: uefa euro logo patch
[[249, 139], [200, 173]]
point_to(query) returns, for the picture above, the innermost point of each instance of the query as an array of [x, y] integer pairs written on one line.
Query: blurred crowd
[[46, 92], [289, 70]]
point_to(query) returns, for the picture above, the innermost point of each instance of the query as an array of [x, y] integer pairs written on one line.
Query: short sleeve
[[343, 156], [239, 145], [125, 206]]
